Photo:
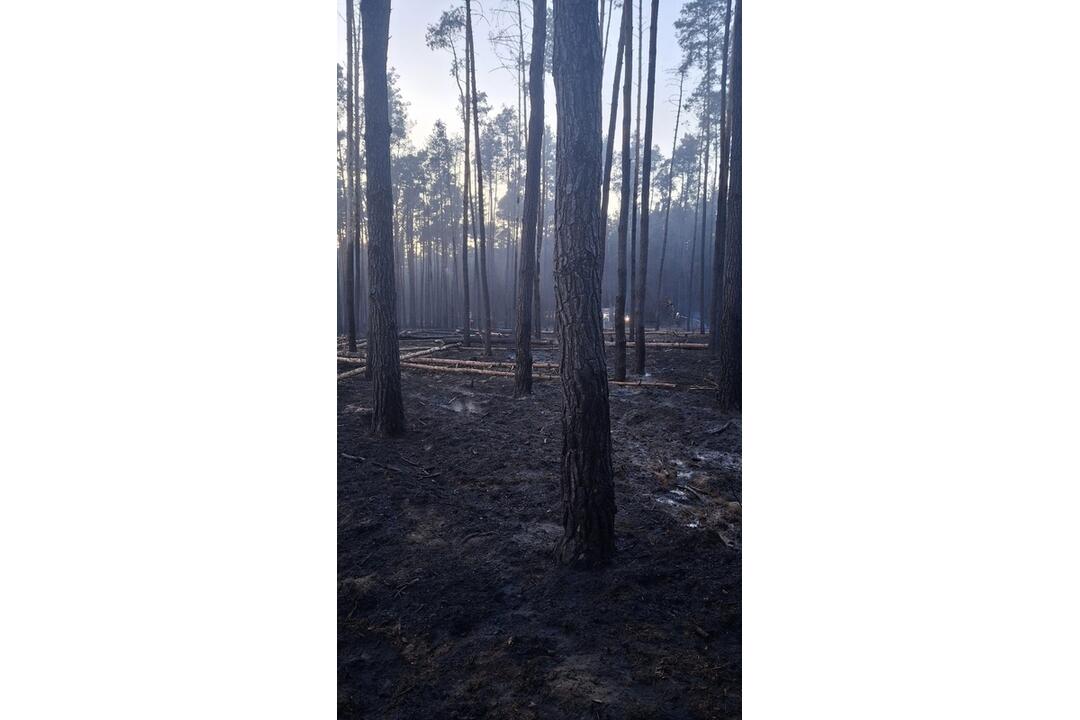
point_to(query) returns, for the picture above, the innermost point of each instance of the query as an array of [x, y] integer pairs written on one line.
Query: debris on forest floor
[[449, 601]]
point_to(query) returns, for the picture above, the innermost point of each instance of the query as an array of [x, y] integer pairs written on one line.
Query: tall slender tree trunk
[[721, 196], [465, 200], [606, 27], [609, 155], [533, 161], [693, 251], [537, 326], [624, 199], [637, 171], [646, 177], [411, 259], [351, 225], [705, 182], [587, 481], [388, 409], [471, 51], [522, 100], [670, 189], [729, 392]]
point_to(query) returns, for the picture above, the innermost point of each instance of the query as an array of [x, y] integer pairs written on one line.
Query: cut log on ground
[[509, 373], [672, 345], [485, 363], [350, 373], [645, 383], [429, 351], [468, 370]]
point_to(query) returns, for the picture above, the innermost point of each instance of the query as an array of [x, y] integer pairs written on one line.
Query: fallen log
[[419, 353], [536, 376], [468, 370], [672, 345], [428, 351], [484, 363], [644, 383], [350, 373]]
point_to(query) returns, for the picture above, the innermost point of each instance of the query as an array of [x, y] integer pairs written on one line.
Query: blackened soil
[[450, 604]]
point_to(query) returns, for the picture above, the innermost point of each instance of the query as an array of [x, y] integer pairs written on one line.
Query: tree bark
[[470, 51], [634, 203], [624, 199], [465, 200], [351, 225], [586, 471], [693, 251], [533, 160], [608, 157], [729, 393], [670, 188], [537, 324], [388, 410], [646, 172], [721, 196], [705, 180]]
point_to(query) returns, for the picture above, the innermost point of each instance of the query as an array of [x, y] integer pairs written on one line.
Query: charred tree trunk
[[646, 173], [351, 225], [465, 200], [470, 51], [537, 325], [388, 410], [693, 251], [721, 197], [637, 171], [533, 160], [609, 155], [624, 199], [588, 493], [670, 189], [729, 393]]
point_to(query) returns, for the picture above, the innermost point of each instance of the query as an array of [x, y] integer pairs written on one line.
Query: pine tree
[[388, 410], [586, 471]]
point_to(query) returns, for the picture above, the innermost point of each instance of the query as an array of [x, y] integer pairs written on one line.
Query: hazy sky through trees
[[426, 83]]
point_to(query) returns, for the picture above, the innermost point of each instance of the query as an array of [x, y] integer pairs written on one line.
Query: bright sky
[[432, 94]]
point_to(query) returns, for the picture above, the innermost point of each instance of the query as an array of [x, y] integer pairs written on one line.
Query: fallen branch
[[350, 373]]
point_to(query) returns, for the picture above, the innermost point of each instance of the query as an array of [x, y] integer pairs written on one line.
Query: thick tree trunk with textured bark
[[646, 176], [624, 199], [729, 392], [470, 51], [587, 478], [531, 211], [388, 410]]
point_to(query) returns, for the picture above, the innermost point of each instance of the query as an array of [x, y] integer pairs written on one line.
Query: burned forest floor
[[450, 604]]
